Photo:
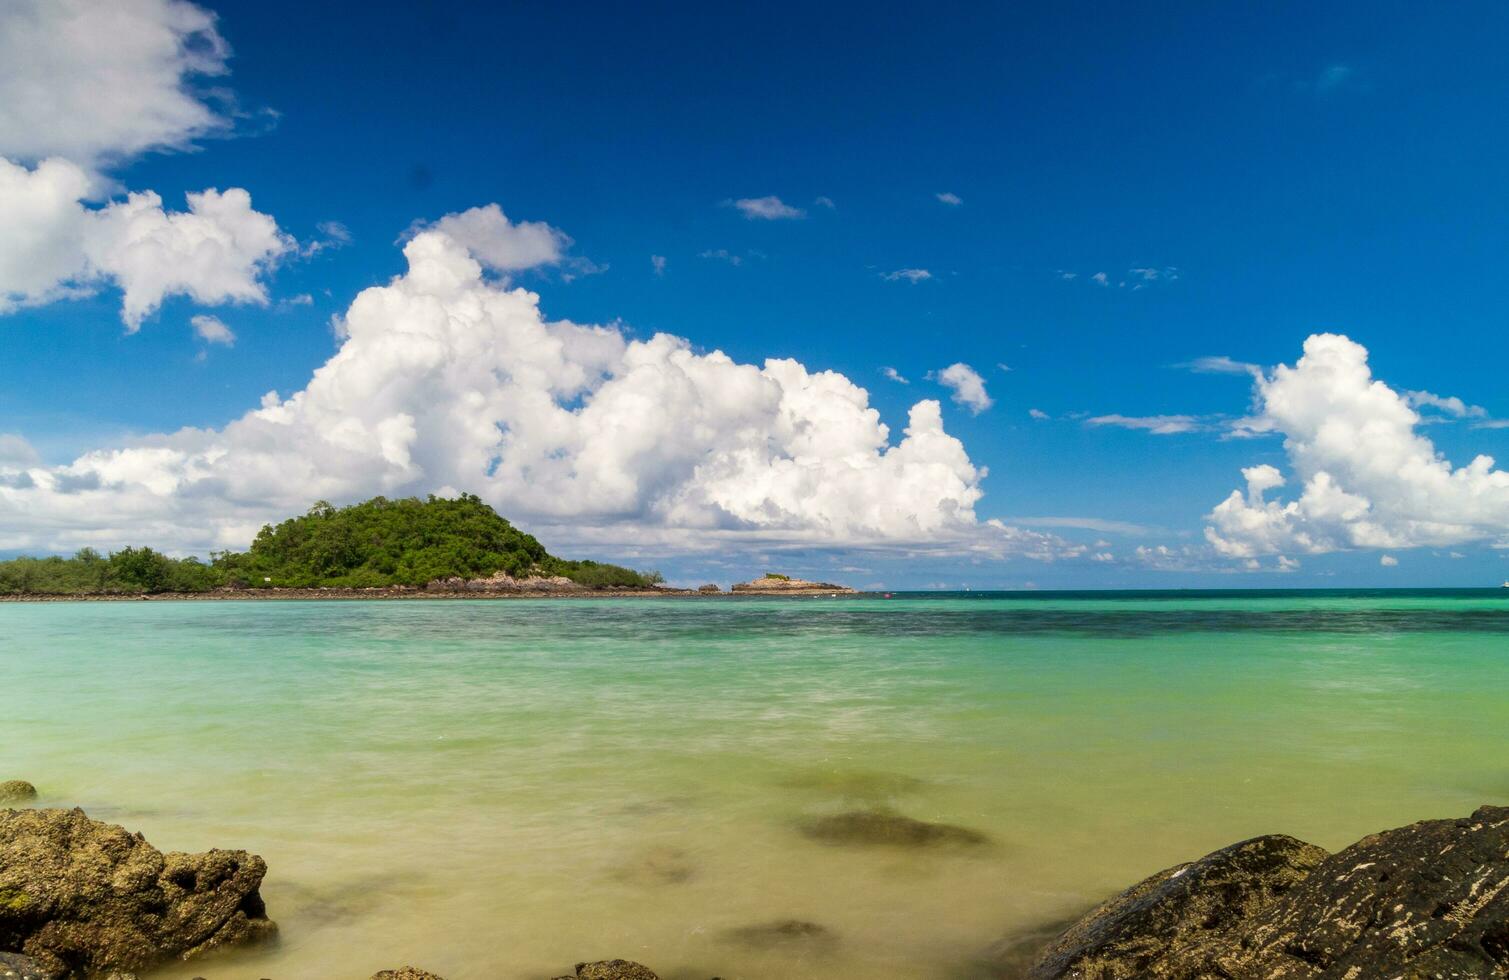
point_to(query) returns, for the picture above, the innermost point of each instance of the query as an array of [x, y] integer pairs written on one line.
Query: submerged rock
[[17, 791], [782, 933], [658, 866], [406, 973], [611, 970], [84, 898], [14, 966], [882, 828], [1430, 900]]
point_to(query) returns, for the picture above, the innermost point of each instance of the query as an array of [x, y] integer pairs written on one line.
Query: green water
[[500, 789]]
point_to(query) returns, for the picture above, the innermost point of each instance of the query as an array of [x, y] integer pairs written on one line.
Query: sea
[[499, 789]]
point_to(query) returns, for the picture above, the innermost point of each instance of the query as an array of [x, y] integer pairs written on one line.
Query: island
[[441, 547], [376, 548], [774, 583]]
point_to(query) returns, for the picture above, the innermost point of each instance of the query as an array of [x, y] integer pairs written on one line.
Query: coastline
[[412, 594]]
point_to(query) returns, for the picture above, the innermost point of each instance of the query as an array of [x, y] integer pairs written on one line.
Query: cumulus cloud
[[212, 330], [912, 276], [1038, 414], [16, 451], [99, 81], [85, 85], [892, 374], [1388, 561], [218, 251], [951, 199], [1366, 477], [767, 208], [448, 380], [502, 245], [967, 386]]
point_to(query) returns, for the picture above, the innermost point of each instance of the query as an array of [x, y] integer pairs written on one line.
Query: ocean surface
[[498, 789]]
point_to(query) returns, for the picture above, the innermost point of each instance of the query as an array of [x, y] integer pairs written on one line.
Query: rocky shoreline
[[81, 899], [500, 586]]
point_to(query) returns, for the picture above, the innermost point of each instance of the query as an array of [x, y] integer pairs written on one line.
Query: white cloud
[[825, 202], [722, 254], [1221, 365], [967, 385], [1039, 414], [951, 199], [1367, 477], [86, 85], [446, 379], [1452, 406], [1100, 279], [502, 245], [657, 262], [913, 276], [894, 375], [16, 451], [767, 208], [218, 251], [212, 330], [1158, 425], [1388, 561], [100, 81]]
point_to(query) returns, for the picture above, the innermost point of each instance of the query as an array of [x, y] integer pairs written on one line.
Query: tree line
[[376, 543]]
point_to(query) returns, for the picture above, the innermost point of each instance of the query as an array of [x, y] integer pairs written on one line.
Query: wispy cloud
[[913, 276], [721, 254], [1451, 405], [1221, 364], [1039, 414], [1333, 77], [212, 330], [1135, 278], [950, 198], [1086, 524], [657, 262], [825, 202], [1158, 425], [894, 375], [767, 208]]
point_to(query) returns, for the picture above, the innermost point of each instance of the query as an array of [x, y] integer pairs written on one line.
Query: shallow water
[[500, 789]]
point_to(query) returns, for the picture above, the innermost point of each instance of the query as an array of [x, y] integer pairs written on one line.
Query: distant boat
[[1505, 585]]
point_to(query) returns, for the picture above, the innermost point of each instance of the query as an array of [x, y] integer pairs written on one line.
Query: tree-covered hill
[[376, 543]]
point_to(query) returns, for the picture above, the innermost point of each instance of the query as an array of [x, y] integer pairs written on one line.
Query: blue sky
[[1280, 170]]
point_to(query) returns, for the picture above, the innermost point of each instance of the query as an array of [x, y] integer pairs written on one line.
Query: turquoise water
[[499, 789]]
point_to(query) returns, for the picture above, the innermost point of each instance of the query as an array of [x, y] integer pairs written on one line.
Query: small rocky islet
[[81, 899]]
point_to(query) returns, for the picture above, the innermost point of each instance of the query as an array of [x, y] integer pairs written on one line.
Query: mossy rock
[[17, 791]]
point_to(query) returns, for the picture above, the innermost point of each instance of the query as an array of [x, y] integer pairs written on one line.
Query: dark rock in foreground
[[611, 970], [881, 828], [785, 933], [84, 898], [405, 973], [17, 791], [1430, 900], [1177, 909], [14, 966]]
